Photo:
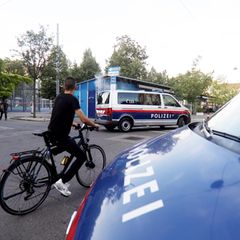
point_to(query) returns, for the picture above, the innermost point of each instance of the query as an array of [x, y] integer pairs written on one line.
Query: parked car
[[125, 109], [182, 185]]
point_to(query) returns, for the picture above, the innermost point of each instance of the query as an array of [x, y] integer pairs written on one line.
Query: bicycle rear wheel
[[25, 185], [89, 171]]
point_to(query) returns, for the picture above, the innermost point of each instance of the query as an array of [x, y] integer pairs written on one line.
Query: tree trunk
[[194, 107]]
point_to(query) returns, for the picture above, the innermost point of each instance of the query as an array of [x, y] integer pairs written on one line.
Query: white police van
[[125, 109]]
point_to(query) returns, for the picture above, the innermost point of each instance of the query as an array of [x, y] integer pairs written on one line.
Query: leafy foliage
[[34, 51], [158, 77], [9, 81], [191, 85], [48, 86], [221, 92], [87, 69], [15, 66], [75, 71], [130, 56], [39, 60]]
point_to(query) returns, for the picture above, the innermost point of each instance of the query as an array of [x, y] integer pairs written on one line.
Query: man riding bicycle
[[65, 107]]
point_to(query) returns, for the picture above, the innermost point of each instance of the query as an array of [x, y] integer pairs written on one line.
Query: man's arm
[[85, 119]]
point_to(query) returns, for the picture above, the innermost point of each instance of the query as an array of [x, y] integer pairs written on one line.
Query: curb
[[38, 119]]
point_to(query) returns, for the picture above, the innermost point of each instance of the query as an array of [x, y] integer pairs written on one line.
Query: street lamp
[[57, 62]]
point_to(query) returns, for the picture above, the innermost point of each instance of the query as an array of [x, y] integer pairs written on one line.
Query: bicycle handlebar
[[83, 127], [48, 140]]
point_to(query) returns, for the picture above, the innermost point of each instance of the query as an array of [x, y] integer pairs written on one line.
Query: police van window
[[130, 98], [139, 98], [170, 101], [103, 98], [152, 99]]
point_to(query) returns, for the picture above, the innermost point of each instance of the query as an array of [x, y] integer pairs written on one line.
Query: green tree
[[87, 69], [158, 77], [9, 81], [191, 85], [15, 66], [221, 92], [89, 66], [131, 58], [74, 71], [34, 50], [48, 85]]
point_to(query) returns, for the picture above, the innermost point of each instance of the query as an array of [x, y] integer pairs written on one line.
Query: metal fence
[[22, 100]]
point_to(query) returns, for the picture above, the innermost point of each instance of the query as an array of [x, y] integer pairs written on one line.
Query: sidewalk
[[27, 116]]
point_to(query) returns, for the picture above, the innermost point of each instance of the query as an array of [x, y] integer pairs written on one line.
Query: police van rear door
[[103, 107]]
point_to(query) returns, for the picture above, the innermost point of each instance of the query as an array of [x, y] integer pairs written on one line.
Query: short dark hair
[[69, 83]]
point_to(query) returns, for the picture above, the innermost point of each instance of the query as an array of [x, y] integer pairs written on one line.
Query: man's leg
[[71, 146]]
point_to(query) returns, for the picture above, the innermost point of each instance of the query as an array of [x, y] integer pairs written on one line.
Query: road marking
[[136, 138], [161, 132], [6, 128], [129, 138], [15, 134]]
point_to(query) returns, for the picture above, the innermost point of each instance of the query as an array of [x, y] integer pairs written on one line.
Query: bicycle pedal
[[90, 164]]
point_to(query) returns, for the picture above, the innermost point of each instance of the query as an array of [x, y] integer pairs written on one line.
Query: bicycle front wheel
[[25, 185], [89, 171]]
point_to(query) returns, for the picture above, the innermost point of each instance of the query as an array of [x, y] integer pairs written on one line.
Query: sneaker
[[62, 188]]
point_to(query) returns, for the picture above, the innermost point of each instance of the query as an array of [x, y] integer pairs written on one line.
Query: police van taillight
[[108, 111], [104, 112]]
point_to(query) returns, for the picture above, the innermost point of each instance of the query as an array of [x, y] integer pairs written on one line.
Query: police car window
[[152, 99], [130, 98], [103, 98], [170, 101]]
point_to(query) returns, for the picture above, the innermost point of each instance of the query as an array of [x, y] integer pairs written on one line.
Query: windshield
[[227, 120]]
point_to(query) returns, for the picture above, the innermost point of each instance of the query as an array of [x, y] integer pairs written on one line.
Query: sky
[[174, 32]]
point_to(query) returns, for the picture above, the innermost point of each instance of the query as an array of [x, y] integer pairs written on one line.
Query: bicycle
[[26, 183]]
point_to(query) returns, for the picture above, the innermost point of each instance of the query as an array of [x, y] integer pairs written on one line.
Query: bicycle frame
[[48, 151], [35, 171]]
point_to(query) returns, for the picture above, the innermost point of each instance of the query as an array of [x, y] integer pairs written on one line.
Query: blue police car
[[183, 185]]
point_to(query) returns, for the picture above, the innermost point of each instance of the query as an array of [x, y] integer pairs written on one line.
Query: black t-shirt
[[62, 115]]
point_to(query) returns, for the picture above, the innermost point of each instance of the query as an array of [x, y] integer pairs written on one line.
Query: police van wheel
[[181, 122], [125, 125]]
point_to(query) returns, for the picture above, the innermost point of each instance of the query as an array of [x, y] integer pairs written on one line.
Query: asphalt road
[[50, 220]]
